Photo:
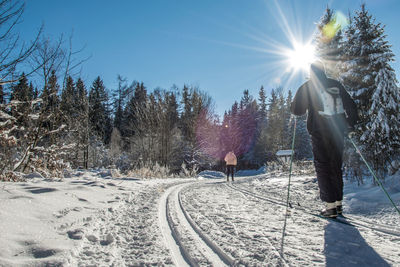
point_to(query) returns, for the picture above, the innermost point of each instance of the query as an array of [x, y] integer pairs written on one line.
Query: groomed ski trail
[[176, 225]]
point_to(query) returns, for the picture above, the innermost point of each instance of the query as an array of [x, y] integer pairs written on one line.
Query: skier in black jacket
[[332, 113]]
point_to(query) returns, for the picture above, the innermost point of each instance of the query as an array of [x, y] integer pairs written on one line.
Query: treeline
[[66, 122], [128, 127], [50, 129]]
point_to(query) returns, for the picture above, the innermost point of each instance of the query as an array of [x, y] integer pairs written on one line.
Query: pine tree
[[69, 99], [273, 131], [186, 113], [120, 96], [99, 119], [367, 74], [21, 94], [287, 131], [262, 98], [246, 99], [328, 42], [82, 124], [302, 144]]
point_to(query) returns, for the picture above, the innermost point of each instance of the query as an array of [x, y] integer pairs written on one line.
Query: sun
[[301, 56]]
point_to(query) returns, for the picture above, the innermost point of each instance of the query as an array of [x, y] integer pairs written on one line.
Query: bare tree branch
[[12, 52]]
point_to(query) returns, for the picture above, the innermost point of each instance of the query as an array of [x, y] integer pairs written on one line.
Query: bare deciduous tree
[[12, 51]]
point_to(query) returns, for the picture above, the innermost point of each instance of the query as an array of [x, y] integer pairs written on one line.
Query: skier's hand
[[351, 134]]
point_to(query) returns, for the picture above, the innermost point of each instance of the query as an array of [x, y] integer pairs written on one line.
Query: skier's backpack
[[332, 103]]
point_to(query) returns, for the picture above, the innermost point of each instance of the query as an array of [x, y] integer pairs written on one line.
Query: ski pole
[[288, 192], [373, 174], [291, 161]]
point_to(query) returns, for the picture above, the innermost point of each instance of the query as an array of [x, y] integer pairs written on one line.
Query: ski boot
[[339, 207], [330, 210]]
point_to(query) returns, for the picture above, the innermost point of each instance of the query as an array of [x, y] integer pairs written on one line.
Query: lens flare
[[301, 56], [330, 30]]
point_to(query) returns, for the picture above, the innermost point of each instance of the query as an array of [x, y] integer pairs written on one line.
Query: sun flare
[[301, 56]]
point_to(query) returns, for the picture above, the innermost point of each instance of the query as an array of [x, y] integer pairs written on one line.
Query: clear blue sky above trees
[[222, 46]]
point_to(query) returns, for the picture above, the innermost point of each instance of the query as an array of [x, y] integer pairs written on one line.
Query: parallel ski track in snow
[[347, 221], [282, 260], [173, 238]]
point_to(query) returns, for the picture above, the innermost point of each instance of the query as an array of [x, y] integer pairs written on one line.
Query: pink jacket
[[230, 159]]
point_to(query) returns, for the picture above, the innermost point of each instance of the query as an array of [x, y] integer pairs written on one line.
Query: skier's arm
[[350, 108], [300, 101]]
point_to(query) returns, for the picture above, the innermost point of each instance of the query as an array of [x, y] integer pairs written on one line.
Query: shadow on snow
[[344, 246]]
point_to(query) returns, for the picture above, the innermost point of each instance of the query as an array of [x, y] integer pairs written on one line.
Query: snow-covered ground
[[93, 219]]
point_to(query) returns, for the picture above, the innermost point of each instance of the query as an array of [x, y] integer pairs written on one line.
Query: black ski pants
[[328, 157], [230, 169]]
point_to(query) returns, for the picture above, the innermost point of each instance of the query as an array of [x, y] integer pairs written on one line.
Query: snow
[[93, 218], [261, 170], [211, 174], [284, 153]]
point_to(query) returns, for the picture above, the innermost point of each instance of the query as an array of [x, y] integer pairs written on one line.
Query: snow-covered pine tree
[[328, 42], [368, 75], [28, 142], [21, 96]]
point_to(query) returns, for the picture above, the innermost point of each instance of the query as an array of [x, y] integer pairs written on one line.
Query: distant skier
[[332, 113], [231, 163]]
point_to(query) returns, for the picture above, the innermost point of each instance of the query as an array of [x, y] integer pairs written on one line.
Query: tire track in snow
[[181, 253]]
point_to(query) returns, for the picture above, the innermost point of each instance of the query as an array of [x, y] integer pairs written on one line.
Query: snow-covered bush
[[188, 172], [10, 176], [394, 167], [123, 162], [303, 167], [150, 170], [99, 156]]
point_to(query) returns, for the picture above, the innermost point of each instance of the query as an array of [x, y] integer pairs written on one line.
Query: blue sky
[[221, 46]]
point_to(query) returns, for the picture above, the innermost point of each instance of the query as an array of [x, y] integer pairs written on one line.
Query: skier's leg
[[323, 169], [338, 162], [233, 171], [227, 172]]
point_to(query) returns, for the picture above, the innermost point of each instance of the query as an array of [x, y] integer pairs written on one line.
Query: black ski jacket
[[310, 96]]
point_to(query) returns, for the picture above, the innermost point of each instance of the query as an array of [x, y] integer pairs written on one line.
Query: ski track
[[166, 230], [230, 226], [189, 246]]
